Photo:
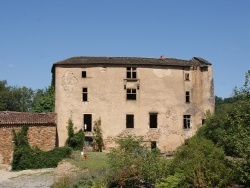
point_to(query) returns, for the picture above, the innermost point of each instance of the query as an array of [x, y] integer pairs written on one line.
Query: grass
[[96, 165], [94, 160]]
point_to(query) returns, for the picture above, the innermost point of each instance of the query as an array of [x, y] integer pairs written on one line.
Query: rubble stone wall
[[41, 136]]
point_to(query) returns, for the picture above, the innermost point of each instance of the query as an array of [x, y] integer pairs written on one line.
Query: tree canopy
[[23, 99], [229, 128]]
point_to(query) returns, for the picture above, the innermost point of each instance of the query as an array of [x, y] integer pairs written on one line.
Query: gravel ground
[[26, 178], [42, 178]]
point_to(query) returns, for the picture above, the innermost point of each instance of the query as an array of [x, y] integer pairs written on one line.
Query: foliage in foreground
[[131, 163], [198, 163], [93, 173], [229, 128], [24, 157]]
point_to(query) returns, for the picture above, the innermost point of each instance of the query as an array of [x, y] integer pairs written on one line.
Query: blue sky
[[35, 34]]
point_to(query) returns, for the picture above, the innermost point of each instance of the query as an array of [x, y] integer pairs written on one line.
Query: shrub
[[75, 140], [24, 157], [199, 163], [98, 144], [132, 164]]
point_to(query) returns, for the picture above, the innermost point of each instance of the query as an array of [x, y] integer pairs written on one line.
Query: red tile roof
[[21, 118]]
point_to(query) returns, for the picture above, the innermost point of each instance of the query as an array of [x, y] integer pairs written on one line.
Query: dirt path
[[42, 178]]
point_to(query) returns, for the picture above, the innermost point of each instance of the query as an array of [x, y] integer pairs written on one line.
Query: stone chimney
[[162, 57]]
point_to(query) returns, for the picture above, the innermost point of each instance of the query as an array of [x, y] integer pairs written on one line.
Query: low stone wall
[[41, 136]]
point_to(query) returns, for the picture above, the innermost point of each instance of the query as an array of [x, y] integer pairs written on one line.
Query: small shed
[[41, 133]]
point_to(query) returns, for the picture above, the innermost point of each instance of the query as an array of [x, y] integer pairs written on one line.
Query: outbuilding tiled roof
[[131, 61], [28, 118]]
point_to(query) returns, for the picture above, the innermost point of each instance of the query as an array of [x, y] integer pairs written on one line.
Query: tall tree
[[14, 98], [43, 100], [4, 94], [23, 99], [230, 129]]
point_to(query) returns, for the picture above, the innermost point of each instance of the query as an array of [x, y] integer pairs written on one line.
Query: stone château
[[162, 99]]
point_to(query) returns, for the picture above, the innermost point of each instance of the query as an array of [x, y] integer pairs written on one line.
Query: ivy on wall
[[25, 157]]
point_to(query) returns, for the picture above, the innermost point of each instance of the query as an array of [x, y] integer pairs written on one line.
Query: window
[[153, 145], [187, 76], [153, 120], [188, 96], [87, 122], [131, 94], [129, 121], [131, 72], [84, 74], [204, 69], [84, 94], [186, 121], [203, 121]]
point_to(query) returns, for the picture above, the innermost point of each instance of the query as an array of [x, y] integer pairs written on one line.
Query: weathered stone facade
[[164, 100], [41, 133]]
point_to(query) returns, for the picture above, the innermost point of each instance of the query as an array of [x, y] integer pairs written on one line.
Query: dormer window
[[131, 72]]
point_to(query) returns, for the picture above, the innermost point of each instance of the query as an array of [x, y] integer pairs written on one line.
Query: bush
[[133, 165], [75, 140], [98, 144], [199, 163], [24, 157], [229, 128]]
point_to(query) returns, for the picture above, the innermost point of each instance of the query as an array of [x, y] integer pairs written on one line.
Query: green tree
[[198, 163], [4, 95], [221, 104], [14, 98], [131, 163], [24, 99], [230, 129], [44, 100], [98, 144], [74, 140]]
